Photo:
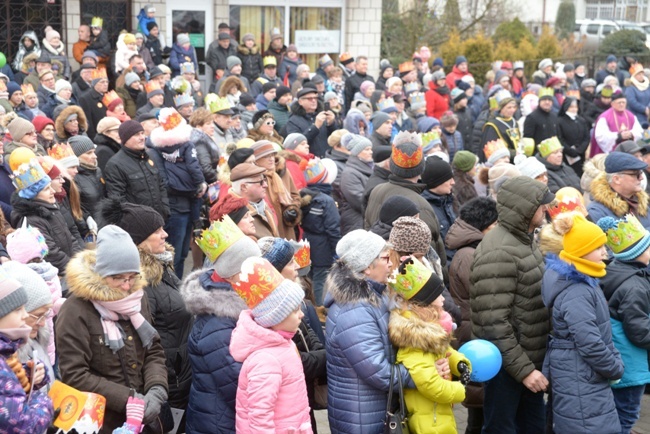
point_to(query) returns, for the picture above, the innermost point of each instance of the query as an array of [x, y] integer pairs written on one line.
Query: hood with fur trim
[[152, 268], [59, 122], [203, 296], [407, 330], [603, 193], [343, 286], [243, 49], [86, 284]]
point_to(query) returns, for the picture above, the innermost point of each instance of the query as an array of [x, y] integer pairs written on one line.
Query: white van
[[592, 32]]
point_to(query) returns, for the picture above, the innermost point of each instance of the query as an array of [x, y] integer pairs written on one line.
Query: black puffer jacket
[[172, 320], [106, 148], [48, 219], [206, 153], [303, 123], [91, 189], [133, 177]]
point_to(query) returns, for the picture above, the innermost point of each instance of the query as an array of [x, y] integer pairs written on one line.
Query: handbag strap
[[390, 388], [402, 405]]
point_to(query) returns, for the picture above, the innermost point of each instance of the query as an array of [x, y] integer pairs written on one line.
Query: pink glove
[[134, 412], [447, 322]]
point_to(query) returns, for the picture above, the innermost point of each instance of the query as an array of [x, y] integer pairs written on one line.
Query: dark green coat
[[506, 282]]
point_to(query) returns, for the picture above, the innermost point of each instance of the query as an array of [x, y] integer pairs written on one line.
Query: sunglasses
[[269, 123]]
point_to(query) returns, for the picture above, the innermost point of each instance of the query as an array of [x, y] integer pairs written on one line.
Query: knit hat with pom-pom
[[406, 160], [626, 237], [580, 237]]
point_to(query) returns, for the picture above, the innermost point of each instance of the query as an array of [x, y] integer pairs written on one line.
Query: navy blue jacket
[[321, 224], [443, 207], [6, 188]]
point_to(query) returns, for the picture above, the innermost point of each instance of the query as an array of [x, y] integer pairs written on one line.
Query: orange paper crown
[[492, 146], [635, 69], [27, 89], [151, 86], [110, 97], [567, 199], [303, 254], [61, 151], [169, 118], [406, 67], [405, 161], [98, 74], [258, 279]]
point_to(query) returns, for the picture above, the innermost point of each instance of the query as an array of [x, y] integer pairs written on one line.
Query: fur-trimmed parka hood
[[407, 330], [152, 268], [344, 286], [248, 51], [86, 284], [204, 296], [229, 83], [603, 193], [60, 120]]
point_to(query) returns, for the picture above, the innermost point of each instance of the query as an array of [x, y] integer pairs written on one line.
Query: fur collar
[[603, 193], [291, 156], [247, 51], [86, 284], [151, 268], [406, 330], [59, 123], [164, 139], [569, 271], [203, 296], [344, 286]]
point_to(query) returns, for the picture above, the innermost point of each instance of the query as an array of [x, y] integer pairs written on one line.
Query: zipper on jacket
[[435, 413]]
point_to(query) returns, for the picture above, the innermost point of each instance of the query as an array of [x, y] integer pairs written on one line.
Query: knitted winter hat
[[378, 119], [357, 144], [464, 161], [61, 85], [239, 156], [531, 167], [12, 294], [426, 124], [406, 160], [19, 128], [480, 213], [182, 38], [358, 249], [40, 122], [395, 207], [139, 221], [38, 293], [363, 87], [116, 252], [230, 261], [232, 61], [499, 174], [626, 237], [129, 129], [410, 235], [281, 91], [277, 251], [13, 87], [131, 78], [26, 243], [81, 144], [270, 297], [580, 238], [128, 38], [293, 140], [436, 172], [50, 34]]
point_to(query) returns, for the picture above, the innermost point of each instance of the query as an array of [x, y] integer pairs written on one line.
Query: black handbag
[[396, 421]]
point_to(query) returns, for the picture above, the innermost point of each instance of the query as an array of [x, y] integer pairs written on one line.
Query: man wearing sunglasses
[[619, 191], [309, 119]]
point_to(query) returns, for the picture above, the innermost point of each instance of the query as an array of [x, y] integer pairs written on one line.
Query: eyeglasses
[[122, 280], [41, 318], [309, 98], [48, 129], [269, 123], [635, 174], [260, 182]]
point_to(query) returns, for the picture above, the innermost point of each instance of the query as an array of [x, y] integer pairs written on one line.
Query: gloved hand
[[153, 400], [290, 216], [465, 373], [92, 225], [135, 412]]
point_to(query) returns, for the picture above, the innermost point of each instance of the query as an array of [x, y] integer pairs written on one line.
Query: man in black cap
[[309, 119], [218, 52], [279, 107], [382, 126], [541, 124], [439, 180], [92, 104]]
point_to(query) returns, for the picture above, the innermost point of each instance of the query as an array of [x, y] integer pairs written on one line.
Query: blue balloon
[[485, 358]]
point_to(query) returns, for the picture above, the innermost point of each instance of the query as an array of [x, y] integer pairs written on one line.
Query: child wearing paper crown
[[271, 393], [581, 360], [19, 414], [627, 290], [415, 327]]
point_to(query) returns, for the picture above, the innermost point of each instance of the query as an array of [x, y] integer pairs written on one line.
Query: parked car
[[628, 25], [592, 32]]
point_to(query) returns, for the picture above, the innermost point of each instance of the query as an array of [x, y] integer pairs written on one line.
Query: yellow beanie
[[580, 238], [129, 38]]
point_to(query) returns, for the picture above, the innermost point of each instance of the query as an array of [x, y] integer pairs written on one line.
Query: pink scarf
[[126, 308]]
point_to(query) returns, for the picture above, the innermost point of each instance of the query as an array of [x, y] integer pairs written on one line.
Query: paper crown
[[403, 160], [209, 99], [258, 279], [502, 95], [635, 69], [152, 88], [518, 64], [169, 118], [567, 199], [548, 146], [182, 99], [110, 97], [492, 146], [218, 104], [645, 137], [28, 174], [61, 151], [412, 87], [218, 237], [27, 89], [622, 234], [546, 91], [430, 137], [180, 85], [387, 104], [607, 91], [98, 74], [187, 68], [409, 278], [97, 22], [344, 57], [494, 105], [270, 60], [315, 171], [406, 67], [303, 254], [528, 146], [416, 98], [19, 156]]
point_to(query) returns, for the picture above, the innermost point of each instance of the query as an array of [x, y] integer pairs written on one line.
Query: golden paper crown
[[151, 86], [403, 160], [546, 91], [28, 174], [180, 85], [169, 118], [303, 254], [409, 278], [61, 151], [98, 74], [27, 89], [548, 146], [109, 97], [528, 145], [217, 104], [97, 22], [270, 60], [218, 237], [492, 146], [429, 137], [494, 105], [406, 67], [19, 156], [258, 279]]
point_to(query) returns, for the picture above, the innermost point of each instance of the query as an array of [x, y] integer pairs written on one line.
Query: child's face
[[189, 76], [132, 47], [290, 323], [438, 302], [28, 43], [96, 31], [151, 14], [598, 255], [186, 46], [236, 122], [451, 129], [16, 319], [249, 43], [336, 79]]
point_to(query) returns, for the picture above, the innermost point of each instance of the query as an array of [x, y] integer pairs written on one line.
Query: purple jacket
[[17, 416]]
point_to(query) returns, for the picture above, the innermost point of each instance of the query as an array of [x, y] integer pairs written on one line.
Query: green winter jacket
[[506, 282]]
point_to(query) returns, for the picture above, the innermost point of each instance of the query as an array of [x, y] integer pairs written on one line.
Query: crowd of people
[[346, 237]]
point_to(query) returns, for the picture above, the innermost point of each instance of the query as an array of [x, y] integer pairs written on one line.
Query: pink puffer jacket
[[271, 395]]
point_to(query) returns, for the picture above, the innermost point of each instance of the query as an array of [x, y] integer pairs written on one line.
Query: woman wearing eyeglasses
[[23, 135], [44, 131], [264, 128], [104, 335]]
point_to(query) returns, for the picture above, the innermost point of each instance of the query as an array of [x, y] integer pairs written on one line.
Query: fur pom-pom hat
[[173, 129]]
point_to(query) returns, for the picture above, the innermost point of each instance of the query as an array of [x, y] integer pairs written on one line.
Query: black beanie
[[129, 129], [151, 25], [139, 221], [395, 207], [381, 153], [436, 172], [281, 91], [238, 156], [479, 213]]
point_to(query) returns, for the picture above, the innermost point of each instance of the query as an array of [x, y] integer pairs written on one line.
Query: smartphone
[[327, 106]]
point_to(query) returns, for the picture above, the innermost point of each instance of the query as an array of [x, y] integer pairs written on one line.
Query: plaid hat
[[410, 235], [12, 294], [406, 160], [277, 251]]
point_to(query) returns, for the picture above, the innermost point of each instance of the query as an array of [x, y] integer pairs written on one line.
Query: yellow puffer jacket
[[420, 345]]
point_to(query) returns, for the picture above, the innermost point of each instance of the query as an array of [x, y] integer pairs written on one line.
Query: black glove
[[53, 429], [465, 373], [290, 216]]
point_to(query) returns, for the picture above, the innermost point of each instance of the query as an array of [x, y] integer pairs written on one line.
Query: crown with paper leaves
[[27, 89], [169, 118], [492, 146], [109, 97], [28, 174], [60, 151], [180, 85], [183, 99], [218, 237], [97, 22], [416, 98], [412, 87], [546, 91], [567, 199], [548, 146], [151, 86], [270, 60], [406, 67], [430, 137], [386, 104], [409, 278], [98, 74], [257, 280], [303, 254], [218, 104], [623, 234]]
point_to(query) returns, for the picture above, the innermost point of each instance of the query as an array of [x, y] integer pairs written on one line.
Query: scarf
[[277, 191], [641, 85], [52, 49], [126, 308], [573, 116], [590, 268], [87, 166], [121, 117], [63, 100]]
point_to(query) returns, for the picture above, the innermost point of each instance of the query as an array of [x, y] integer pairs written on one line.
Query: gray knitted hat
[[356, 144], [81, 144], [116, 252], [38, 293], [12, 294], [230, 261], [357, 249]]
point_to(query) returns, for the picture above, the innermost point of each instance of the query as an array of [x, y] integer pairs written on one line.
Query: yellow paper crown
[[218, 237], [548, 146], [528, 144], [492, 146], [61, 151], [27, 89], [430, 137], [545, 91], [258, 279], [97, 22], [98, 74], [409, 278], [303, 254], [217, 104], [169, 118], [109, 97], [270, 60], [28, 174]]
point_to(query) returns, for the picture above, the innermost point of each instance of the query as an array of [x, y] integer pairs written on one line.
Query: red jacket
[[437, 104], [453, 76]]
